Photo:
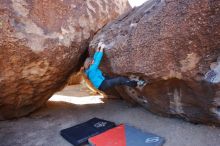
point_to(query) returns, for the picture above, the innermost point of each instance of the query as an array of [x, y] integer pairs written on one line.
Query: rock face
[[41, 42], [175, 45]]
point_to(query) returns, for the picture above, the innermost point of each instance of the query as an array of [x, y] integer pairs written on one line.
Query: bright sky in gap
[[136, 2]]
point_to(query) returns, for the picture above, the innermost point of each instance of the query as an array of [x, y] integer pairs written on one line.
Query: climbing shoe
[[141, 82]]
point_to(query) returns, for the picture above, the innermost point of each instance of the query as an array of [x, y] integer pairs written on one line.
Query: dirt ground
[[42, 127]]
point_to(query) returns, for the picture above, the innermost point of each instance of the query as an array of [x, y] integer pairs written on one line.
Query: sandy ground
[[42, 127]]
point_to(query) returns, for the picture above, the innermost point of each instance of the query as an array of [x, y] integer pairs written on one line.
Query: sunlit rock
[[40, 46]]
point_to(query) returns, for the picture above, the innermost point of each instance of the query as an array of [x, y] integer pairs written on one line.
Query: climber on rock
[[91, 68]]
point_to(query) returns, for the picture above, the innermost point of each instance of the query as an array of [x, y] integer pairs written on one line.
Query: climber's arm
[[97, 59], [97, 56]]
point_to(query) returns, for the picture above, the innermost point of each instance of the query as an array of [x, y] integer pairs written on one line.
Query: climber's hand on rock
[[99, 46], [97, 49], [102, 47]]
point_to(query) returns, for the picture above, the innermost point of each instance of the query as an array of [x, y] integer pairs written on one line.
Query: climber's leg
[[108, 83]]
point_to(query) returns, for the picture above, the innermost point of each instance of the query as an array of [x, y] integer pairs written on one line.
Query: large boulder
[[40, 46], [175, 45]]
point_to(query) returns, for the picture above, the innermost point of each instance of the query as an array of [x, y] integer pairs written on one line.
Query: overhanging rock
[[176, 46]]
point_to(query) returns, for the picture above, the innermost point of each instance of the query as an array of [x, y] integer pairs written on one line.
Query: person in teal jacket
[[100, 81]]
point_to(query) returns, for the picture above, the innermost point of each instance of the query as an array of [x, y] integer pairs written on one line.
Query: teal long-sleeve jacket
[[94, 73]]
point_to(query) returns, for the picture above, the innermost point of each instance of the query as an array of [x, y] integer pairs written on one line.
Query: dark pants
[[116, 81]]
